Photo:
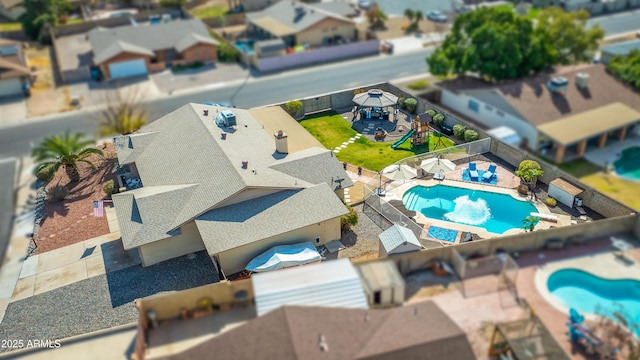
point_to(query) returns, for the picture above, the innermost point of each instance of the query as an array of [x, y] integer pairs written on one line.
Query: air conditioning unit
[[558, 84], [226, 119]]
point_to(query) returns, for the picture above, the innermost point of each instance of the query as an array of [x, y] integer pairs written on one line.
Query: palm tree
[[67, 150], [409, 14], [530, 223], [418, 16]]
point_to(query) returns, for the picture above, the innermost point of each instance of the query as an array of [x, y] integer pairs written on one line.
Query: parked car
[[446, 129], [220, 104], [436, 16], [364, 4]]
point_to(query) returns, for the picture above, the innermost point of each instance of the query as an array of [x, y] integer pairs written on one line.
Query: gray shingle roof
[[117, 47], [312, 165], [283, 15], [187, 169], [191, 39], [151, 37], [621, 48], [396, 236], [239, 224]]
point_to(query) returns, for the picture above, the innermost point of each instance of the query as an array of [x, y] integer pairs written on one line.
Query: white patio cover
[[375, 98], [283, 256]]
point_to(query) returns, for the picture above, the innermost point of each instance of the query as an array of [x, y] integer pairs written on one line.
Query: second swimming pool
[[496, 213]]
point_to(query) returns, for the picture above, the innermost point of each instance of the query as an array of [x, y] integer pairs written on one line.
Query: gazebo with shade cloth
[[376, 100]]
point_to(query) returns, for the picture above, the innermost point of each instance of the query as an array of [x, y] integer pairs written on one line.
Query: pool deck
[[399, 191]]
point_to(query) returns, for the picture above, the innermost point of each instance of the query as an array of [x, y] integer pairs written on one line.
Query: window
[[487, 107], [318, 240], [499, 113], [474, 106]]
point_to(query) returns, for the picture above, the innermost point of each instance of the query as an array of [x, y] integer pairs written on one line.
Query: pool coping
[[601, 265], [421, 219]]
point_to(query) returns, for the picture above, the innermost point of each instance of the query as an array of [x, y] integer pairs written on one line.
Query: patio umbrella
[[436, 165], [399, 172], [375, 98]]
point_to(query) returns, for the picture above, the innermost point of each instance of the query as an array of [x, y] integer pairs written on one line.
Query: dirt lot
[[395, 28], [45, 97], [71, 220]]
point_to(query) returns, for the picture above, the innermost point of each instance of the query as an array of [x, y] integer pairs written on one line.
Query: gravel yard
[[362, 239], [103, 301]]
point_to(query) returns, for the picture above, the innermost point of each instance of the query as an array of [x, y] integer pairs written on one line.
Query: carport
[[577, 130]]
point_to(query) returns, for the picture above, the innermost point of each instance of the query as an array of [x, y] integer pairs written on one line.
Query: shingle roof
[[342, 8], [192, 39], [532, 101], [397, 235], [150, 37], [117, 47], [235, 225], [283, 19], [314, 164], [334, 284], [187, 169], [621, 48], [420, 331], [13, 65]]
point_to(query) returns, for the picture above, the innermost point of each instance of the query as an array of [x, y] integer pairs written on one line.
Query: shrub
[[109, 188], [401, 102], [58, 193], [529, 164], [458, 131], [419, 84], [411, 105], [294, 107], [431, 112], [197, 65], [346, 221], [357, 91], [551, 202], [45, 174], [438, 119], [523, 189], [470, 135]]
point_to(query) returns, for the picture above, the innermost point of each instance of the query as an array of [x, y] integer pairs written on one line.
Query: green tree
[[529, 171], [67, 151], [376, 16], [530, 222], [627, 68], [418, 16], [572, 41], [40, 15], [409, 14]]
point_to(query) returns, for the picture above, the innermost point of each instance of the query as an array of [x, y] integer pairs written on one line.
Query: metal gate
[[317, 104]]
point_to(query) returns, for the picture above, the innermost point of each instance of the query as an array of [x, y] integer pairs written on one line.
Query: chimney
[[281, 142], [245, 164], [582, 80]]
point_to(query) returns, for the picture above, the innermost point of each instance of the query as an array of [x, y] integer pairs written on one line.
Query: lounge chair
[[488, 175], [473, 172]]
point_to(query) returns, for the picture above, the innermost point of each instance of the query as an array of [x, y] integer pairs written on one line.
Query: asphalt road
[[263, 90], [618, 23]]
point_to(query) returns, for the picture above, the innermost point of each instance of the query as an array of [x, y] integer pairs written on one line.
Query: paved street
[[618, 23], [263, 90]]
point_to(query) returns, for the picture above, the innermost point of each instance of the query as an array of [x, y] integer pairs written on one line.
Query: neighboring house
[[14, 73], [560, 113], [296, 24], [202, 183], [417, 331], [341, 7], [397, 240], [137, 50], [592, 6], [622, 48], [11, 9]]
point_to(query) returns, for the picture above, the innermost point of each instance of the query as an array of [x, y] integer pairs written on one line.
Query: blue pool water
[[442, 234], [495, 212], [628, 165], [245, 46], [585, 292]]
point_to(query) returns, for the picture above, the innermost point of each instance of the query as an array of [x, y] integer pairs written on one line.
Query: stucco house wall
[[187, 242], [489, 116], [328, 27], [200, 52]]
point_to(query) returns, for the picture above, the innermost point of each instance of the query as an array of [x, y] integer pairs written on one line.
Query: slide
[[395, 145]]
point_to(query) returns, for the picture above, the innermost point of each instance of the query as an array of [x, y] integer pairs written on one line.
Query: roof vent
[[245, 164], [223, 136], [324, 347], [205, 112], [558, 85], [582, 80]]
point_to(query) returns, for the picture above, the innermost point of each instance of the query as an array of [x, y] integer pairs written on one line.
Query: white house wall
[[187, 242], [490, 118]]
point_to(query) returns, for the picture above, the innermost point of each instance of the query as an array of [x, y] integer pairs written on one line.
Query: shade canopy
[[375, 98], [436, 165], [399, 172]]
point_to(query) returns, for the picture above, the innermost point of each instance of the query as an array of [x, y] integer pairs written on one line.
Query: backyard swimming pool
[[628, 165], [495, 212], [245, 46], [585, 292]]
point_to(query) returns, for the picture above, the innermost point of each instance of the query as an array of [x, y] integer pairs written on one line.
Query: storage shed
[[382, 282], [333, 283], [564, 192], [397, 240]]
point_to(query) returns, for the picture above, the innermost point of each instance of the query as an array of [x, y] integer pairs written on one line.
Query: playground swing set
[[419, 135]]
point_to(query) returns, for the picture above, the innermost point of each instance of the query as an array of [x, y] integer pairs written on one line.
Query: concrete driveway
[[213, 75], [13, 110]]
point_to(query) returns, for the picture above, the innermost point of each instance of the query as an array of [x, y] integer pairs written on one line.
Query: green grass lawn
[[332, 130], [625, 191], [74, 21], [209, 12], [10, 26]]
